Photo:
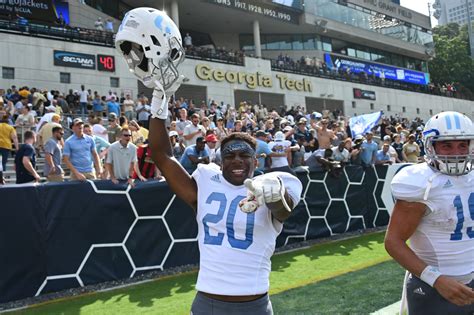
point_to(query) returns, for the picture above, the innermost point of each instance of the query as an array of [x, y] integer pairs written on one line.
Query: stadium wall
[[32, 59], [62, 235]]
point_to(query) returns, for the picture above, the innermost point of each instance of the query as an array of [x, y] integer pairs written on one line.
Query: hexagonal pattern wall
[[98, 231]]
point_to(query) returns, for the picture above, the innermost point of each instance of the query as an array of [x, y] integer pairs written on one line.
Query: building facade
[[262, 51]]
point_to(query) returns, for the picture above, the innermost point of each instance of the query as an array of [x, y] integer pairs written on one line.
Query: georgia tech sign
[[252, 80]]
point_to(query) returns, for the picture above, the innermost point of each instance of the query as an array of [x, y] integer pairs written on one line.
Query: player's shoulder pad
[[204, 170], [410, 182]]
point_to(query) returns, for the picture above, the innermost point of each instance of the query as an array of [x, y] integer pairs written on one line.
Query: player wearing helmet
[[235, 246], [435, 211]]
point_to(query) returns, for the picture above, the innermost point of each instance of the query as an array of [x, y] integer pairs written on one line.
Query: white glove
[[261, 190], [159, 101]]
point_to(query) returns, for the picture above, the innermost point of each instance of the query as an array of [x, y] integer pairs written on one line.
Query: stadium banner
[[57, 236], [74, 60], [40, 10], [277, 10], [392, 73], [363, 123]]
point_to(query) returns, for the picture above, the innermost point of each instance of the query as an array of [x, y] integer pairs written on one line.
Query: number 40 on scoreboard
[[106, 63]]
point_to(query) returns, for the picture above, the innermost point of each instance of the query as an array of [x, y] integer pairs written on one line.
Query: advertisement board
[[275, 10], [390, 72], [74, 60], [37, 10], [364, 94]]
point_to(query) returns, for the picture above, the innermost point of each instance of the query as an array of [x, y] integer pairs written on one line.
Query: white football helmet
[[449, 126], [151, 44]]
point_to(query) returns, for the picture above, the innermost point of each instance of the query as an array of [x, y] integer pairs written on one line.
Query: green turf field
[[354, 276]]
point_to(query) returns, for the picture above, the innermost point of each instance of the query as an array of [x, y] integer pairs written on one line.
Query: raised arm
[[180, 182]]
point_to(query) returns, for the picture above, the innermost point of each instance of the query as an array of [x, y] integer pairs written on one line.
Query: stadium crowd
[[287, 139]]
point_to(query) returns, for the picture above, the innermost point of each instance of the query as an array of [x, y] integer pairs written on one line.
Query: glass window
[[65, 77], [404, 109], [246, 42], [272, 42], [308, 42], [327, 44], [285, 43], [351, 52], [114, 82], [353, 104], [8, 73], [389, 108], [297, 42], [371, 106]]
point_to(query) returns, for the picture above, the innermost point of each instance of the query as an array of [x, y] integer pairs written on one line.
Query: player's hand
[[81, 177], [261, 190], [454, 291]]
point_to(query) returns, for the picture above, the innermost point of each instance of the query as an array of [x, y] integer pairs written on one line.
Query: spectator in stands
[[176, 144], [25, 160], [53, 156], [383, 156], [46, 131], [391, 150], [195, 154], [324, 135], [188, 41], [211, 142], [121, 160], [80, 153], [139, 133], [129, 108], [298, 155], [2, 180], [109, 25], [101, 144], [283, 147], [99, 24], [98, 105], [7, 136], [341, 154], [411, 150], [98, 129], [113, 106], [398, 146], [221, 131], [83, 98], [143, 112], [193, 131], [26, 119], [368, 150]]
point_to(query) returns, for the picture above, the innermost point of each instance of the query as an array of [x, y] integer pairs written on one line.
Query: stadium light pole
[[469, 29]]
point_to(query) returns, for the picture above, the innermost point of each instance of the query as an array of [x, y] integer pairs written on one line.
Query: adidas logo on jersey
[[448, 184], [419, 291], [216, 178]]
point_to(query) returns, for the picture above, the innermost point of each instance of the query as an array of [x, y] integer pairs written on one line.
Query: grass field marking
[[330, 275], [86, 294], [329, 241]]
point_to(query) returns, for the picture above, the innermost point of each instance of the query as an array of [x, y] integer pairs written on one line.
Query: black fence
[[62, 235]]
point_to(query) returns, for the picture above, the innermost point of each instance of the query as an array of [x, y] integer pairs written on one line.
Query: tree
[[453, 63]]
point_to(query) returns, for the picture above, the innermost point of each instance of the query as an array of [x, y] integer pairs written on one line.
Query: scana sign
[[74, 60]]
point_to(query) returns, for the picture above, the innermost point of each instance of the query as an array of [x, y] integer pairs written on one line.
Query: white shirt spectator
[[100, 131], [343, 156], [280, 145], [83, 96], [143, 111]]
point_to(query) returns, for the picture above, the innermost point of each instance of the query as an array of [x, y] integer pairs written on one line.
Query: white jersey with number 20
[[235, 247]]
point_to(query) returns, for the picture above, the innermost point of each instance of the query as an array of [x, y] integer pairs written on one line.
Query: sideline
[[389, 310]]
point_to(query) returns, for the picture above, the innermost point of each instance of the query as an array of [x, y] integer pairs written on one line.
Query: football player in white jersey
[[434, 209], [238, 217]]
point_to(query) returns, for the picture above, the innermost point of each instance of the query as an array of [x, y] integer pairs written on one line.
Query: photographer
[[356, 150]]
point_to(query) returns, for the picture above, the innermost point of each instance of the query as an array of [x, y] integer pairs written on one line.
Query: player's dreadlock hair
[[239, 136]]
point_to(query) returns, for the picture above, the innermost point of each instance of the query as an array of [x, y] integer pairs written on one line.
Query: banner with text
[[389, 72]]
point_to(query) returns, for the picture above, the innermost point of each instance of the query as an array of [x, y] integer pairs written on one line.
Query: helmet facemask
[[449, 164], [163, 70]]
